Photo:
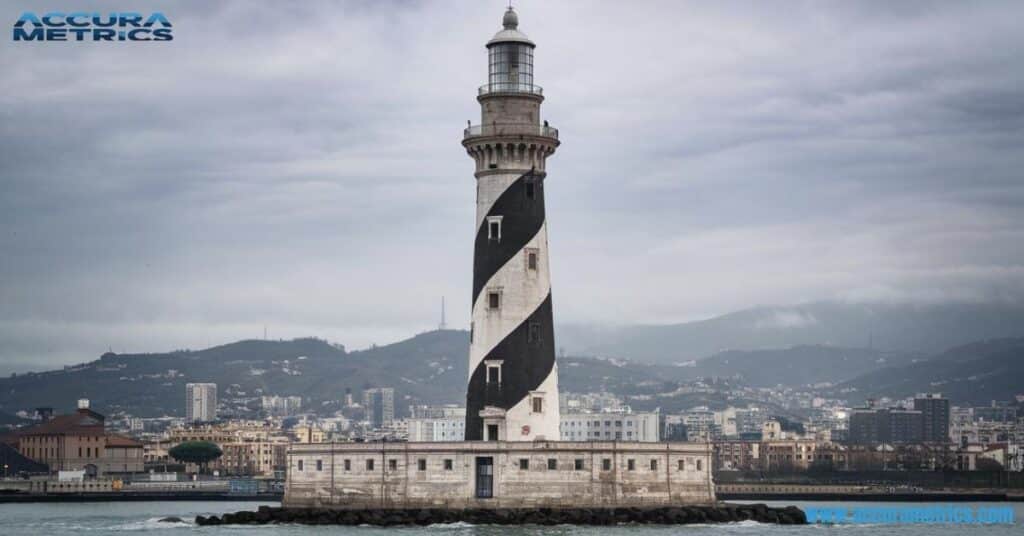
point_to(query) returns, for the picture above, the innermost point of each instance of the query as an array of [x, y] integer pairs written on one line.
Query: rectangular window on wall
[[524, 464], [319, 465], [531, 190], [421, 464], [533, 333], [531, 260], [654, 465], [300, 465], [348, 465], [369, 464], [606, 464], [552, 464], [392, 465], [578, 464], [448, 465], [631, 465], [493, 300], [538, 404], [494, 228]]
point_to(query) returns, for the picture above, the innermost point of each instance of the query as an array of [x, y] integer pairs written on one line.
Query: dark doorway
[[484, 477], [492, 432]]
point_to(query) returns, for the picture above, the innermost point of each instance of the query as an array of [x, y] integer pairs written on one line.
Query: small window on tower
[[494, 228], [493, 370], [531, 188], [533, 333], [531, 259], [538, 404], [493, 300]]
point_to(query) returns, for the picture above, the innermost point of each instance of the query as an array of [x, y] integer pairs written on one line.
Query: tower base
[[498, 474]]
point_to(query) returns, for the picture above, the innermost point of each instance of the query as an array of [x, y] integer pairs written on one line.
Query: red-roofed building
[[79, 441]]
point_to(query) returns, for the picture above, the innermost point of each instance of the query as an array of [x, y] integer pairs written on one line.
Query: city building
[[437, 429], [445, 411], [80, 442], [281, 406], [641, 427], [379, 404], [200, 402], [265, 458], [871, 426], [700, 424], [750, 421], [305, 433], [591, 403], [934, 417]]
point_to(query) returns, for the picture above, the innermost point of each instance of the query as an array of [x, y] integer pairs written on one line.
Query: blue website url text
[[939, 514]]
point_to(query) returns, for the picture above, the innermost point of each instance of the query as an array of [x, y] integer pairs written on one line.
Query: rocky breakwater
[[675, 515]]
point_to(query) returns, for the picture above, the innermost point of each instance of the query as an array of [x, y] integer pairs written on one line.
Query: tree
[[197, 452]]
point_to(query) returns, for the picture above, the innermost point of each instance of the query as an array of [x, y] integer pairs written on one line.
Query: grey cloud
[[301, 168]]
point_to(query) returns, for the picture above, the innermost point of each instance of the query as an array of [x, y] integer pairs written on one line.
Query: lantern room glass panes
[[511, 67]]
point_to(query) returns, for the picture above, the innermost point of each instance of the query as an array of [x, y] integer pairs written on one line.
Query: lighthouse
[[512, 414], [512, 392]]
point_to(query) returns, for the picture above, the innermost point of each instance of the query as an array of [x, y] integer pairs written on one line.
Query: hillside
[[799, 365], [975, 373], [888, 327], [427, 368]]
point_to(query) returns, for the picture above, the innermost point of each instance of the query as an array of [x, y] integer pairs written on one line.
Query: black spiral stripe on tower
[[522, 218], [527, 362]]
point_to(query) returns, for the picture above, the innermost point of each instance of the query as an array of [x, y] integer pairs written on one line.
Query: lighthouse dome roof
[[510, 33]]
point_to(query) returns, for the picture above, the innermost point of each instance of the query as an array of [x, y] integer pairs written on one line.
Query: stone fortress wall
[[555, 474]]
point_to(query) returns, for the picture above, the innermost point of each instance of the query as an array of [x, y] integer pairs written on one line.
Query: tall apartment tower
[[513, 379], [935, 414], [200, 402], [380, 406]]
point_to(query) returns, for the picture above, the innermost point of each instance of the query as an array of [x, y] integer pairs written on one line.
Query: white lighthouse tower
[[513, 379]]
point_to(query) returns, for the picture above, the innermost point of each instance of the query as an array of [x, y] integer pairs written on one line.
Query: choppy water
[[97, 519]]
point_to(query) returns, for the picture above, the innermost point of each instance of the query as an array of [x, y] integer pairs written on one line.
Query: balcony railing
[[505, 129], [511, 87]]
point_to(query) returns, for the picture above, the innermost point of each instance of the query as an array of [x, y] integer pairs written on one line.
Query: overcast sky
[[300, 168]]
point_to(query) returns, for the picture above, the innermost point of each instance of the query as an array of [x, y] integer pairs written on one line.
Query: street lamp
[[5, 470]]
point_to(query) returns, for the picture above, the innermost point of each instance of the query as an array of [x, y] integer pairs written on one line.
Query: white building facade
[[643, 427], [200, 402]]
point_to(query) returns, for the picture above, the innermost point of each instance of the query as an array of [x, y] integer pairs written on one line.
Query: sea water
[[103, 518]]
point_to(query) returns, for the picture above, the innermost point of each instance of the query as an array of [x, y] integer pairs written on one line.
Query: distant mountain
[[893, 328], [799, 365], [431, 368], [975, 373], [427, 368]]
